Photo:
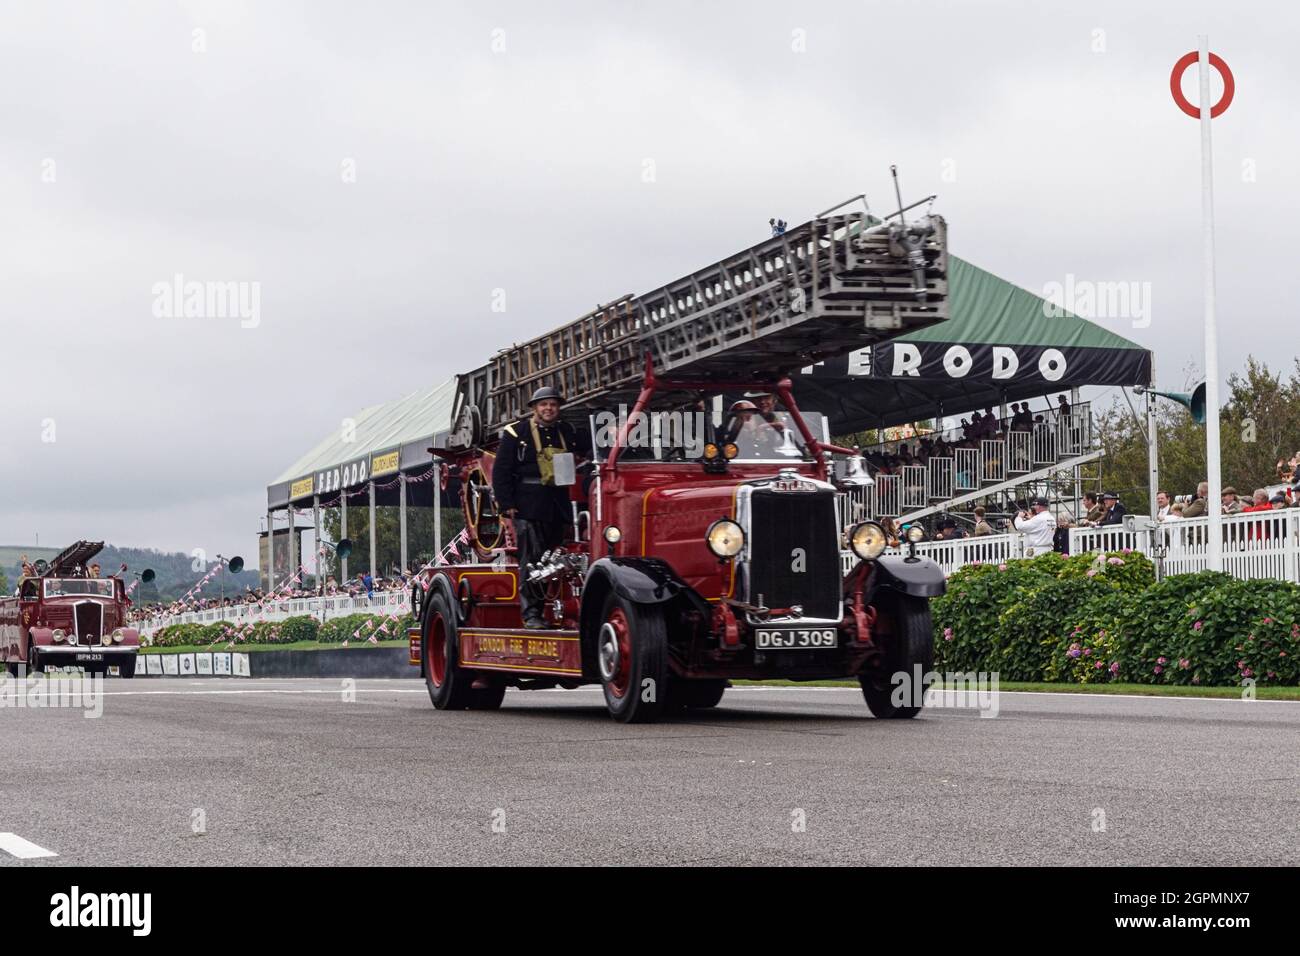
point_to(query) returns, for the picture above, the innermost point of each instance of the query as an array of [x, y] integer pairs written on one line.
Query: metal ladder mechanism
[[834, 284]]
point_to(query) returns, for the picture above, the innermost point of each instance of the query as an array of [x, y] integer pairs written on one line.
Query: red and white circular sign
[[1176, 85]]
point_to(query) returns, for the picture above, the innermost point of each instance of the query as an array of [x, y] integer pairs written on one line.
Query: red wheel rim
[[618, 684], [437, 647]]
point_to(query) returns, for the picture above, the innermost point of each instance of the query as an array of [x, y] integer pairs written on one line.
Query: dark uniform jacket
[[1115, 515], [516, 478]]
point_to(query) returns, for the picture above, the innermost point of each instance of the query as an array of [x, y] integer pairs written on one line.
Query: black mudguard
[[919, 577], [643, 580]]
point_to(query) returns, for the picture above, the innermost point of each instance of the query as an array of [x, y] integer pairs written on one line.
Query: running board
[[1064, 464]]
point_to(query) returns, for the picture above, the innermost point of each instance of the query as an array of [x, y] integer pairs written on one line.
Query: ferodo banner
[[345, 476], [993, 364]]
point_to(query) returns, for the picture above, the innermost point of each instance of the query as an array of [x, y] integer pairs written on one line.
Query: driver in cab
[[756, 431]]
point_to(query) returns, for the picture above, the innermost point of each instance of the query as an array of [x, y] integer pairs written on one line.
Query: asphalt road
[[288, 772]]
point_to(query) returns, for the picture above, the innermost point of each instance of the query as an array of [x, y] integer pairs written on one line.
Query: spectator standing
[[1039, 528], [1095, 510], [1162, 505], [1061, 536], [1115, 511], [1196, 507], [982, 527], [1232, 505]]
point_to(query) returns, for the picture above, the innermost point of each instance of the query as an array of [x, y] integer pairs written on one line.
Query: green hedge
[[1092, 618]]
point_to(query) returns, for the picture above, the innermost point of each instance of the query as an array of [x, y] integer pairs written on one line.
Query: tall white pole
[[1214, 506]]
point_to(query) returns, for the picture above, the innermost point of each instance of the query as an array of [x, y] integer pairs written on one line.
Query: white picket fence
[[1259, 545], [384, 602]]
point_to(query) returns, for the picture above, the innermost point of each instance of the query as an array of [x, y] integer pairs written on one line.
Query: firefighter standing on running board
[[523, 481]]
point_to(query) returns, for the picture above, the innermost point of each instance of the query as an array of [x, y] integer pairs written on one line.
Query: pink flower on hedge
[[1159, 669], [1162, 660], [1184, 663], [1248, 673], [1072, 653], [1240, 664], [1114, 560], [1198, 625], [1128, 550], [1099, 665], [1087, 652], [947, 634], [1114, 668], [1092, 572], [1268, 620], [1271, 675], [1002, 567]]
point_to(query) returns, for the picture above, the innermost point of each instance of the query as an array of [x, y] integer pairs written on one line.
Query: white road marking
[[16, 846]]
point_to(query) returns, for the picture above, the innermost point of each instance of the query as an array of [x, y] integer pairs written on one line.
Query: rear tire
[[910, 643], [632, 655], [487, 698], [447, 682]]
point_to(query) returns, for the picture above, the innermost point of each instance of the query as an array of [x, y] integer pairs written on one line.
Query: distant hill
[[175, 571]]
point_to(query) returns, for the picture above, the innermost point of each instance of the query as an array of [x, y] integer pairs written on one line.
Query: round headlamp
[[613, 535], [710, 451], [725, 538], [59, 635], [867, 540], [117, 636], [915, 533]]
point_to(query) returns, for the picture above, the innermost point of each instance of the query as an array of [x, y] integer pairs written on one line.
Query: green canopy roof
[[1001, 344]]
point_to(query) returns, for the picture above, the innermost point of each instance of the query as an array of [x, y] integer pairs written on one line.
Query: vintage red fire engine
[[61, 616], [684, 568]]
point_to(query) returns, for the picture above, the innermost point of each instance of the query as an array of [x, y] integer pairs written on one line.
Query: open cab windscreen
[[681, 434], [62, 587]]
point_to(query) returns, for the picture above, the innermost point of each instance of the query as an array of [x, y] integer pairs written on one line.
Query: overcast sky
[[380, 169]]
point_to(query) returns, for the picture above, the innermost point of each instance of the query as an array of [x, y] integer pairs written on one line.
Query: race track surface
[[289, 772]]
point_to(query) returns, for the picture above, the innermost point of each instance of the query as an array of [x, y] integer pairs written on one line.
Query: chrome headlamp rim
[[725, 538], [867, 540]]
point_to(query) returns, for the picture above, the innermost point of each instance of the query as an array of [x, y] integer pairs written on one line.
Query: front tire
[[126, 668], [911, 643], [632, 655], [699, 694]]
